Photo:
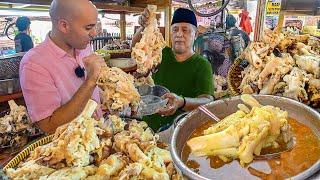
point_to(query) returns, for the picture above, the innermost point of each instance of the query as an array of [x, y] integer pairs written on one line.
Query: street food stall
[[286, 43], [263, 124]]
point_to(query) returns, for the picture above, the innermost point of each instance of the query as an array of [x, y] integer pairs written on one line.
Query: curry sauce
[[305, 153]]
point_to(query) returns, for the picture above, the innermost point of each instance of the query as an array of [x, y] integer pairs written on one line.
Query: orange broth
[[305, 153]]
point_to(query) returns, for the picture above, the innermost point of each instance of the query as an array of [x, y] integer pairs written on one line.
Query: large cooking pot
[[222, 108]]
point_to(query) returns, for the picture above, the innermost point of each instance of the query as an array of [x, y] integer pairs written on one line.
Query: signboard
[[273, 7], [293, 23], [271, 21]]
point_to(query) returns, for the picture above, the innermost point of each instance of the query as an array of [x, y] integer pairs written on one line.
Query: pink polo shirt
[[48, 80]]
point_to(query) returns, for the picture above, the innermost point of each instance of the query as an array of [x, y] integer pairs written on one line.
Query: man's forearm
[[137, 36], [70, 110], [192, 103]]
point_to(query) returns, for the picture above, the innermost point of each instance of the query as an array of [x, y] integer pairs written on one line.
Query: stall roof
[[309, 7], [44, 4]]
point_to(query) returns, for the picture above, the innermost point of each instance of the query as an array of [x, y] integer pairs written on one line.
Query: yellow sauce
[[305, 153]]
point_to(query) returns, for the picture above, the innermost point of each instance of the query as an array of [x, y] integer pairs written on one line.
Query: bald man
[[59, 76]]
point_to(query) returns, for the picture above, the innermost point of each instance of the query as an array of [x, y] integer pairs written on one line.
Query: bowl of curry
[[302, 162]]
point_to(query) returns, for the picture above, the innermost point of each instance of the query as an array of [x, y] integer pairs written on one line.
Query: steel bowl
[[222, 108]]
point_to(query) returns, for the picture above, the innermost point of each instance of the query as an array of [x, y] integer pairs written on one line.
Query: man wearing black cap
[[23, 41], [185, 73]]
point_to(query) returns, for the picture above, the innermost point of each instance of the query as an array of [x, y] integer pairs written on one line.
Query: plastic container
[[152, 90], [151, 99], [150, 104]]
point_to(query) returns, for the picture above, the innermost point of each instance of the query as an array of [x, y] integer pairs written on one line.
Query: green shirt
[[190, 78]]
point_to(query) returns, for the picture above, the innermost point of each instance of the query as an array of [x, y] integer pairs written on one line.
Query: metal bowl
[[223, 108]]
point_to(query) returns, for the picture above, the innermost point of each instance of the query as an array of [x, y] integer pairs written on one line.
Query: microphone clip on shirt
[[79, 71]]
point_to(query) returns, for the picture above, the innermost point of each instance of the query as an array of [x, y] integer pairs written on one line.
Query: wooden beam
[[167, 25], [117, 8], [122, 26], [259, 22], [35, 2], [99, 5], [5, 98], [280, 21], [299, 13], [143, 3]]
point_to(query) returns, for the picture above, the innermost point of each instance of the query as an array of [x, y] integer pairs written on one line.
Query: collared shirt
[[48, 79]]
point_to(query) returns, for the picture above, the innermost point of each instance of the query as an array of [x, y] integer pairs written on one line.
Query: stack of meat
[[148, 52], [15, 127], [91, 149], [118, 87], [284, 65]]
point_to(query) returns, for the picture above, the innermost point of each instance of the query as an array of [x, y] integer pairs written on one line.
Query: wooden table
[[5, 98], [17, 97]]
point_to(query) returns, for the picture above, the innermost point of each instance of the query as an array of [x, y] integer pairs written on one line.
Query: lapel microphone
[[79, 71]]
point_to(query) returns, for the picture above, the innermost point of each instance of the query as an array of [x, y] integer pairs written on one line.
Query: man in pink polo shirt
[[53, 92]]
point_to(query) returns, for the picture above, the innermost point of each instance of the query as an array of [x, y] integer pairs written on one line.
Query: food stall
[[266, 127], [284, 46]]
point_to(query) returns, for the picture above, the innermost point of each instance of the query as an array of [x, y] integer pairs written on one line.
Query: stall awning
[[310, 7]]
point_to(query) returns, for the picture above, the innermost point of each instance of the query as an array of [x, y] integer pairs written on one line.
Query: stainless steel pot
[[222, 108]]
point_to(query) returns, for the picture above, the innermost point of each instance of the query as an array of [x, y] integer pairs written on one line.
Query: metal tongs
[[204, 109], [289, 145]]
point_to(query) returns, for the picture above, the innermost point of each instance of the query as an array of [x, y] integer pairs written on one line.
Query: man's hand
[[93, 64], [144, 18], [174, 103]]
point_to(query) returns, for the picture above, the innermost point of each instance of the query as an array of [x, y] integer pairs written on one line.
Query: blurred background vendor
[[23, 41], [235, 31]]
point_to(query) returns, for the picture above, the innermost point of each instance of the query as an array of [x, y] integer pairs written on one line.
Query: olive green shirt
[[190, 78]]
